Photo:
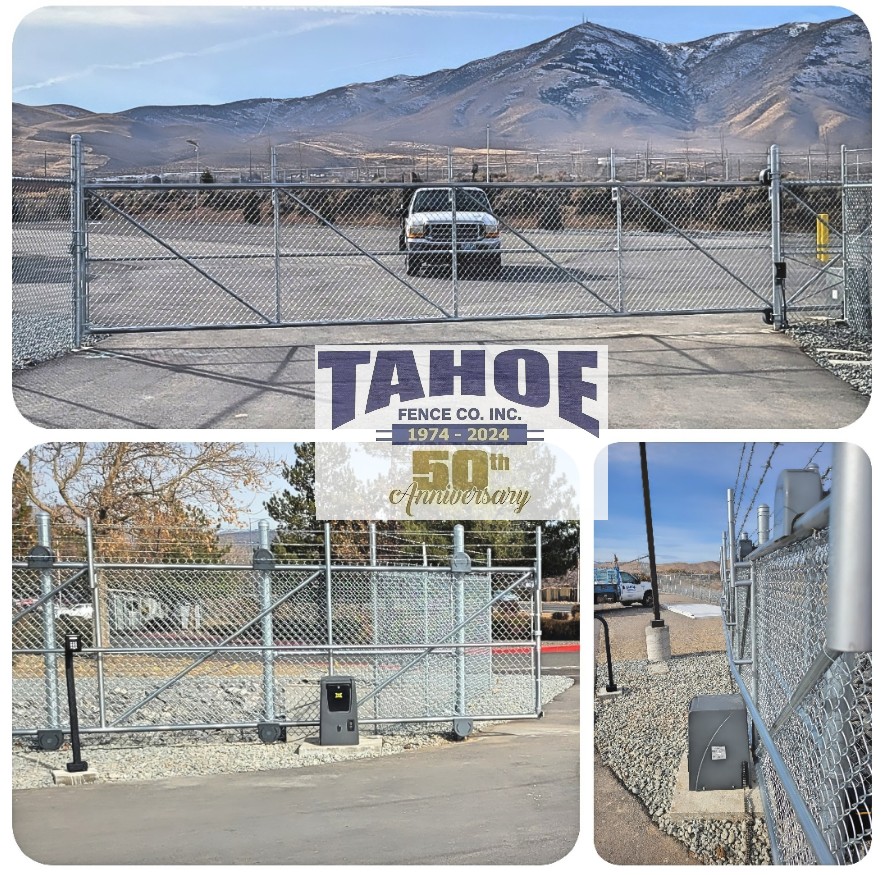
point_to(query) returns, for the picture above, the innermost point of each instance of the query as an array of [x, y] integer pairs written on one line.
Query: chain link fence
[[856, 249], [166, 256], [225, 646], [42, 292], [799, 648], [702, 590]]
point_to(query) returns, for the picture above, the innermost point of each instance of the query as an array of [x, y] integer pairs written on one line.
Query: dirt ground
[[627, 625]]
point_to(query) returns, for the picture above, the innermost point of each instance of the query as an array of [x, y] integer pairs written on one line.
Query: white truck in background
[[612, 585]]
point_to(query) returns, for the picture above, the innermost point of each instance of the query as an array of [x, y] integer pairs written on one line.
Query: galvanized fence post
[[97, 622], [455, 284], [276, 235], [268, 655], [537, 622], [78, 243], [375, 607], [779, 315], [328, 602], [50, 658], [731, 560], [848, 624], [460, 613]]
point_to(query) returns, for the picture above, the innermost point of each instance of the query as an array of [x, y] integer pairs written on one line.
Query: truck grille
[[466, 232]]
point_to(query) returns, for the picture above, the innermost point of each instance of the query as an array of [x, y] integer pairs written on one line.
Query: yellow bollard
[[822, 234]]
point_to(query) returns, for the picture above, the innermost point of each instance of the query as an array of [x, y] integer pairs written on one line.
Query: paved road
[[509, 795], [665, 372]]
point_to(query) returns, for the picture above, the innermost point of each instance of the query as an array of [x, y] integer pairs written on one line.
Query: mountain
[[798, 85]]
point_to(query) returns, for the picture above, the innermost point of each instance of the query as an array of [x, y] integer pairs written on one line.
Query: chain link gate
[[177, 256], [187, 646]]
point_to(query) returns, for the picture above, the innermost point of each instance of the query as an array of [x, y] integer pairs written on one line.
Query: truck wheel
[[647, 601], [412, 265], [492, 267]]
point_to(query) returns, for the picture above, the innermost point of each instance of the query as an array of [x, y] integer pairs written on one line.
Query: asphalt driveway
[[717, 371], [507, 795]]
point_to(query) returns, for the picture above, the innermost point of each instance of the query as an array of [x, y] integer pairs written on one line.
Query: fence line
[[797, 618], [96, 257], [213, 646]]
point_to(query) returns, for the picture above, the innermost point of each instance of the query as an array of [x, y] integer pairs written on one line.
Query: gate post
[[267, 653], [779, 317], [276, 234], [50, 658], [537, 622], [455, 284], [328, 603], [375, 607], [98, 603], [78, 242], [460, 564]]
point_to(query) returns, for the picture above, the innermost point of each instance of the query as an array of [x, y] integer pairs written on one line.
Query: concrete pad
[[697, 611], [658, 668], [369, 745], [64, 778], [687, 803], [717, 371]]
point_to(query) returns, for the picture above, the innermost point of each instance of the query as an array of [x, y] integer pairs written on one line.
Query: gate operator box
[[338, 711], [717, 743]]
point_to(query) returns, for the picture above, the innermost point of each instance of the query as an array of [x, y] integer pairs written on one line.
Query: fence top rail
[[95, 185], [279, 566], [44, 180]]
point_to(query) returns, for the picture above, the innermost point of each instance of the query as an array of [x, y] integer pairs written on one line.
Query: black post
[[656, 623], [611, 686], [73, 645]]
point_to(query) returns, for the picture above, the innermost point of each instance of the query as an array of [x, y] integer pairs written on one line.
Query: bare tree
[[124, 482]]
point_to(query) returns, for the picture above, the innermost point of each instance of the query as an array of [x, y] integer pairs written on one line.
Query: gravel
[[157, 755], [642, 734], [837, 348]]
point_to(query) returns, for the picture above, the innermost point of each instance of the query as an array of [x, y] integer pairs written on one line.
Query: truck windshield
[[439, 201]]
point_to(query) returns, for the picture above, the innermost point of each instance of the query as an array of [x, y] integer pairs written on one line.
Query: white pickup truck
[[428, 232], [612, 586]]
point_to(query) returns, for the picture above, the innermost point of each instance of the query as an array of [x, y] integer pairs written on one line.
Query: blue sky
[[111, 58], [688, 495]]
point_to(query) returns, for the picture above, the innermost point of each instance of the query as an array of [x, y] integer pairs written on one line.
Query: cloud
[[215, 49]]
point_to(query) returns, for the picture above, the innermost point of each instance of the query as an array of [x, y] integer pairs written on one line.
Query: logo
[[459, 431]]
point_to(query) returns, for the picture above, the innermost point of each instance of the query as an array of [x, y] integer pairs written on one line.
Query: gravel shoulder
[[641, 736]]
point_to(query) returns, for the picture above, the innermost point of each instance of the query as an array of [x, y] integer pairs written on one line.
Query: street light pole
[[195, 145]]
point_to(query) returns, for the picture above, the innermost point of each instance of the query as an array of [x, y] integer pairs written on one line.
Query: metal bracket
[[40, 557], [263, 560]]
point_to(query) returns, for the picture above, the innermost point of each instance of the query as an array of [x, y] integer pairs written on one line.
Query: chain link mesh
[[172, 646], [812, 235], [42, 301], [246, 254], [289, 254], [823, 734], [857, 257]]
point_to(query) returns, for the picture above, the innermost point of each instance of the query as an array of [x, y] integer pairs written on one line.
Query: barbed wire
[[744, 482], [766, 469]]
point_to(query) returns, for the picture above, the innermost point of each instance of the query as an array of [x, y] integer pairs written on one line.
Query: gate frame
[[264, 564]]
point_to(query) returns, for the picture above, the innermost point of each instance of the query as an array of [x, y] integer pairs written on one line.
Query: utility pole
[[657, 634]]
